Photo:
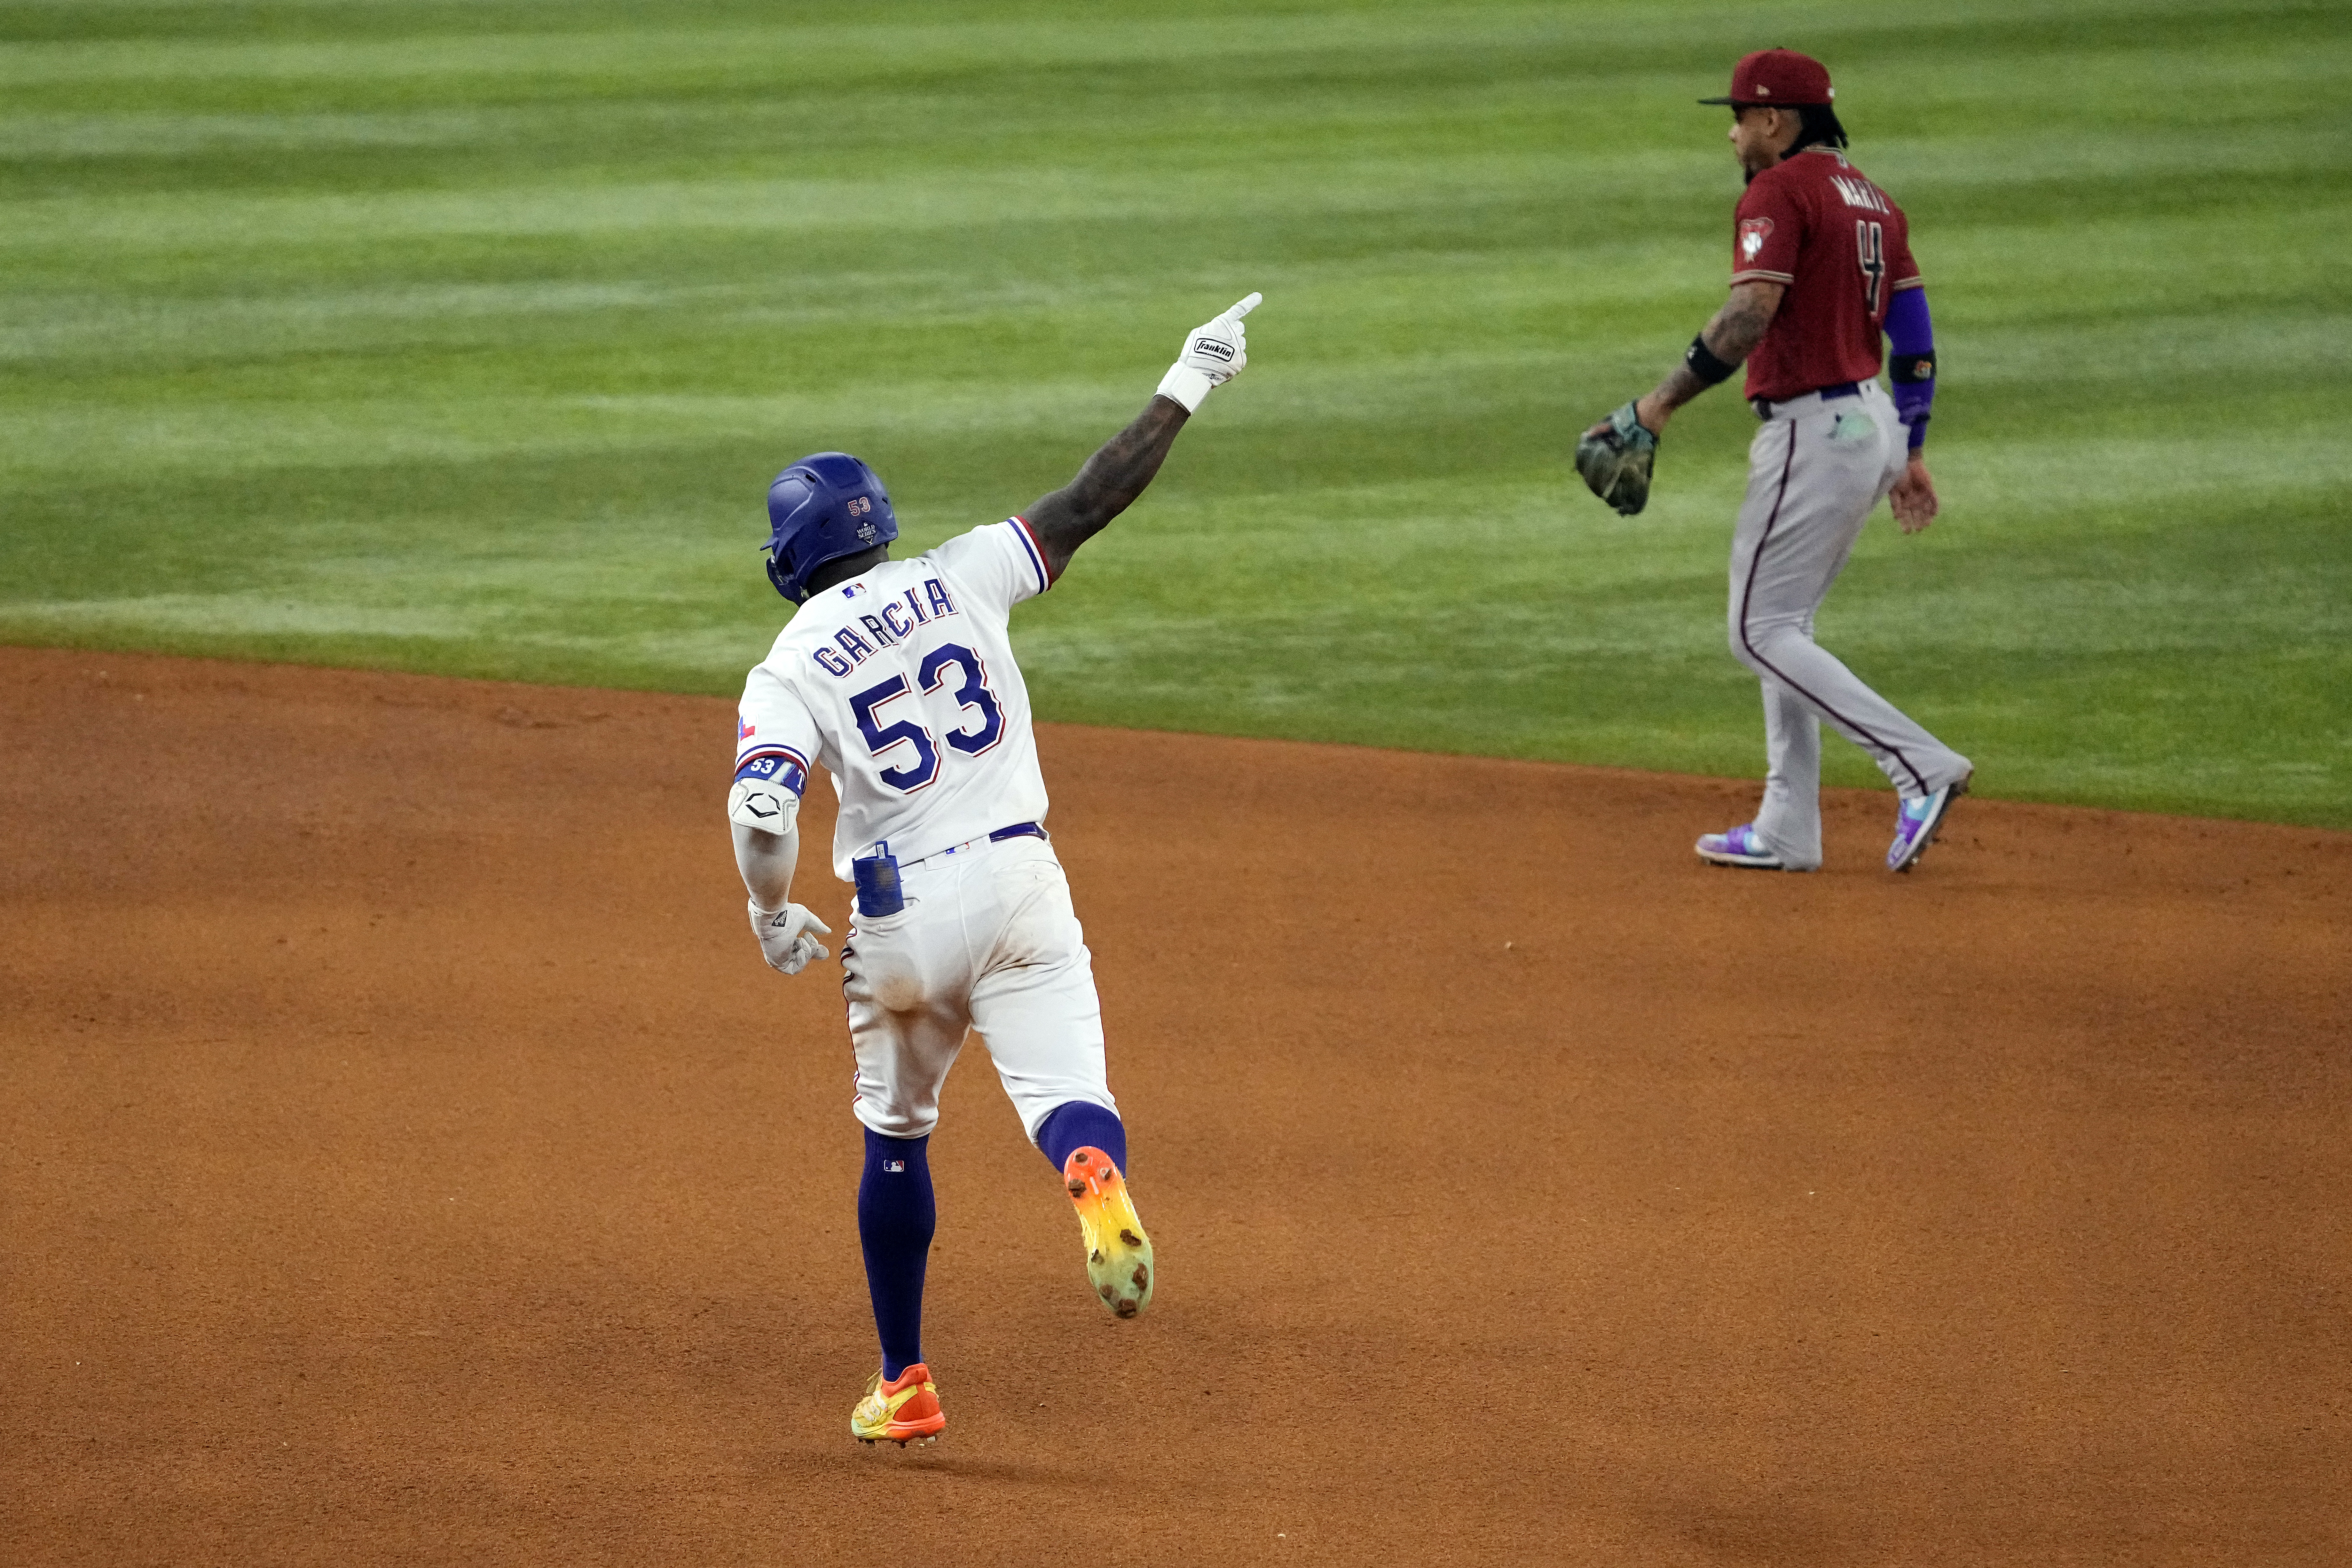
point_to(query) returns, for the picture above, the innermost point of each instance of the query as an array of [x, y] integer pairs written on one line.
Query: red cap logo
[[1778, 77]]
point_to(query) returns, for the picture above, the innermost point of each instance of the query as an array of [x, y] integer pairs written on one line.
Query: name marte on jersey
[[897, 619], [1861, 193]]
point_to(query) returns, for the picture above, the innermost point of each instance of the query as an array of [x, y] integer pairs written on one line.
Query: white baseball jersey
[[901, 684]]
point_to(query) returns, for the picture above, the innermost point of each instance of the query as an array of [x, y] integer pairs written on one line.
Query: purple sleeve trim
[[1907, 332], [1910, 335]]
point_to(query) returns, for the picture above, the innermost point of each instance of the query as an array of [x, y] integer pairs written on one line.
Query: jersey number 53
[[932, 674]]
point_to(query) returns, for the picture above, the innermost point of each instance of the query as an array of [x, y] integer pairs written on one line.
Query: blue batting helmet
[[821, 508]]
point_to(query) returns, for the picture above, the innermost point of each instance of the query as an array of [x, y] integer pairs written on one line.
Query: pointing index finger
[[1243, 306]]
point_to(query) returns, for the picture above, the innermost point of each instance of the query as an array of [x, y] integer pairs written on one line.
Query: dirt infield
[[406, 1158]]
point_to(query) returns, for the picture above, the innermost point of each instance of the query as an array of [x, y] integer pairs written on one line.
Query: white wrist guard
[[1186, 385]]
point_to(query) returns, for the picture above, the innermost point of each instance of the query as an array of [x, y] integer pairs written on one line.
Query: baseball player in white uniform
[[898, 678]]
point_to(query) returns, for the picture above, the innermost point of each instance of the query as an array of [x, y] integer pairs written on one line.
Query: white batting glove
[[784, 936], [1213, 354]]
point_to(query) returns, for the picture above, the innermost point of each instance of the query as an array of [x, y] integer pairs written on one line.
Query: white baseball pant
[[987, 941], [1815, 470]]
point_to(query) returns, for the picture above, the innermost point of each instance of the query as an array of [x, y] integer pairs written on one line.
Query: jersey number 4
[[1869, 242], [933, 673]]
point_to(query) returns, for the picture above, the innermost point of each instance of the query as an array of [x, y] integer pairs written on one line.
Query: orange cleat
[[1119, 1252], [903, 1410]]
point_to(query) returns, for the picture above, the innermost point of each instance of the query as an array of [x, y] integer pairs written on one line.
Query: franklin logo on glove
[[1213, 354]]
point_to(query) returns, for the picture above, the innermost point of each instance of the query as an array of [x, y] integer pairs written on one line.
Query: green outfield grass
[[464, 337]]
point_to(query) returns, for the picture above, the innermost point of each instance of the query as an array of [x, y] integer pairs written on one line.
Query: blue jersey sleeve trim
[[779, 765], [1036, 556]]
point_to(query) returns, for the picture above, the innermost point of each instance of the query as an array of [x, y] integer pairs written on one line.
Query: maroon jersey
[[1842, 247]]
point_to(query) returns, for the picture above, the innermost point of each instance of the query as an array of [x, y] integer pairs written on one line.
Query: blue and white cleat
[[1738, 847], [1917, 822]]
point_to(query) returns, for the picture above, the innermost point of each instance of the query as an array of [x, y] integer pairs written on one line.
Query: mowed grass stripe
[[464, 339]]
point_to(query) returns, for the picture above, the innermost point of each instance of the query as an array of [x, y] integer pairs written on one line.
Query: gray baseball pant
[[1814, 472]]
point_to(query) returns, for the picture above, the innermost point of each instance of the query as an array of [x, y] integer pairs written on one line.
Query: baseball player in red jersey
[[1821, 267]]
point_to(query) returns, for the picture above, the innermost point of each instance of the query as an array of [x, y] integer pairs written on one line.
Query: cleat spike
[[905, 1408], [1118, 1249]]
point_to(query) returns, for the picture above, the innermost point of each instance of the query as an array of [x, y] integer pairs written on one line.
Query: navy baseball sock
[[1074, 1124], [896, 1217]]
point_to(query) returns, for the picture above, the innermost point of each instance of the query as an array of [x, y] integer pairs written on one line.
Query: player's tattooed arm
[[1730, 337], [1108, 485]]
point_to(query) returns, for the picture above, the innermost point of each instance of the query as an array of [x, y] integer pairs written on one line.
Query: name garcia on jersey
[[892, 623], [901, 685]]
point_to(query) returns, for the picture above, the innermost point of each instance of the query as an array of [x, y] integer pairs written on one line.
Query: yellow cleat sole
[[1118, 1249]]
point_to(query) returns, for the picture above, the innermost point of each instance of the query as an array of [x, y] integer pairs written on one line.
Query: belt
[[1764, 406], [1018, 830]]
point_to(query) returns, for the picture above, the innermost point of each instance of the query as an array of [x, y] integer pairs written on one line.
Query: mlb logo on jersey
[[853, 590], [894, 1164], [1753, 232]]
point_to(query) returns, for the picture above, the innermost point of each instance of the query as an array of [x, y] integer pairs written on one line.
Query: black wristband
[[1702, 363], [1904, 368]]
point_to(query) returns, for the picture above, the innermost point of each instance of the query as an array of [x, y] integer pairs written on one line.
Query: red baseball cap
[[1775, 78]]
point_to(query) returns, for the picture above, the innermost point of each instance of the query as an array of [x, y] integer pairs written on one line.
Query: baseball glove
[[1615, 460]]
